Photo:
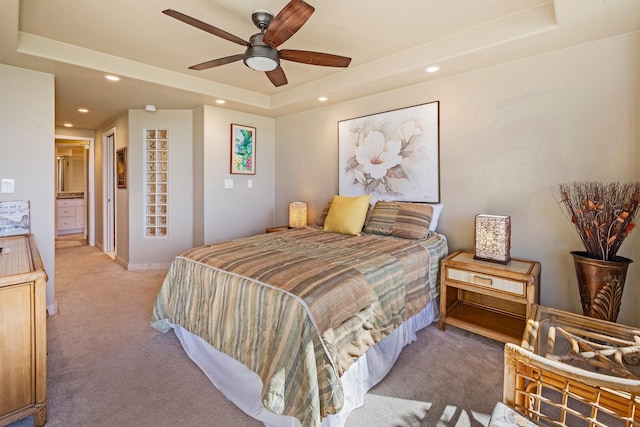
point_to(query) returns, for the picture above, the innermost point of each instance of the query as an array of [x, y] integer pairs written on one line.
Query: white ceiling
[[80, 41]]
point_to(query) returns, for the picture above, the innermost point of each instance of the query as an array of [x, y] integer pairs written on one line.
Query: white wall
[[27, 154], [241, 211], [508, 134]]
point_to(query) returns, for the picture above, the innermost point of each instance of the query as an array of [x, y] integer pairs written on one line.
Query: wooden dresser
[[23, 331]]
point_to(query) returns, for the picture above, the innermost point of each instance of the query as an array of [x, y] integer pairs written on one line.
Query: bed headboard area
[[355, 214]]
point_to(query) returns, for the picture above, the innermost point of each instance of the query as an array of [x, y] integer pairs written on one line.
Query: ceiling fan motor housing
[[259, 56]]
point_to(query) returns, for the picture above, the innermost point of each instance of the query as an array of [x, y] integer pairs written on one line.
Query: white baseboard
[[52, 308]]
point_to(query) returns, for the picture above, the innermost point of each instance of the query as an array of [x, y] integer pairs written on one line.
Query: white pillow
[[437, 209]]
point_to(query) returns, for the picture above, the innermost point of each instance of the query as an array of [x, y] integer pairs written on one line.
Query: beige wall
[[145, 251], [200, 209], [120, 126], [240, 211], [76, 133], [198, 176], [508, 134], [27, 154]]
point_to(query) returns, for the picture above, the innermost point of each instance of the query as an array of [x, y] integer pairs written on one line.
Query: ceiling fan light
[[261, 64], [261, 58]]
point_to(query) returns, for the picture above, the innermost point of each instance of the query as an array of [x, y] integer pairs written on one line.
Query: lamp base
[[497, 261]]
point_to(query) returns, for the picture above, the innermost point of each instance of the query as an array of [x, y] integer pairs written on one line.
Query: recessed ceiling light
[[322, 98], [432, 69], [150, 107], [112, 78], [68, 125], [83, 110], [220, 101]]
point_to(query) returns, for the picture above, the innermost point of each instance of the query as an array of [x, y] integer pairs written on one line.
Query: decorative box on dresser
[[488, 298], [23, 331]]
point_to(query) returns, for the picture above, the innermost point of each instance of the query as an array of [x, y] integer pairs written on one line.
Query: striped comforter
[[298, 307]]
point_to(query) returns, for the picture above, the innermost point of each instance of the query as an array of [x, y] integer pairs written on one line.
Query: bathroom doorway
[[74, 197]]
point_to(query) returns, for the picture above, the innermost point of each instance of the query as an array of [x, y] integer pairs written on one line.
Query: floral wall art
[[392, 155], [243, 149]]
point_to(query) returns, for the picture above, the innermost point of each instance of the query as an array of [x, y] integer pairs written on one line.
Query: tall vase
[[601, 284]]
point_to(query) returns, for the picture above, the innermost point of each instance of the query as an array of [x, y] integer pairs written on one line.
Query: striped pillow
[[400, 219]]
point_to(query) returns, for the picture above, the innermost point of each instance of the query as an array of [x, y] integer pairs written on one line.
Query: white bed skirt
[[243, 386]]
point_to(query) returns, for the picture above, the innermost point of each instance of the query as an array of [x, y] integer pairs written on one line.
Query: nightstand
[[276, 229], [488, 298]]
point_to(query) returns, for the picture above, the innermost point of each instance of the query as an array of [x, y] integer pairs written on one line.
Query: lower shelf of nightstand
[[486, 321]]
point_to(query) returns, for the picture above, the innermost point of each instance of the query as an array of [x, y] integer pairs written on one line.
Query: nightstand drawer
[[487, 281]]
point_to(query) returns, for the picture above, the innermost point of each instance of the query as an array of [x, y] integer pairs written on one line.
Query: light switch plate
[[228, 183], [249, 183], [7, 185]]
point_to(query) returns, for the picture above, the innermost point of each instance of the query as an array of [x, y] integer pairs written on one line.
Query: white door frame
[[89, 199], [109, 192]]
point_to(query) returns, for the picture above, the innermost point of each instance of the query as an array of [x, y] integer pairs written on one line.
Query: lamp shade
[[297, 214], [493, 238]]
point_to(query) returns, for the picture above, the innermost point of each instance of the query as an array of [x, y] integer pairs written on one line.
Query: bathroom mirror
[[70, 169]]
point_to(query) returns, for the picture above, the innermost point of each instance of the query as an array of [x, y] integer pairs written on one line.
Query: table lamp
[[493, 238], [297, 214]]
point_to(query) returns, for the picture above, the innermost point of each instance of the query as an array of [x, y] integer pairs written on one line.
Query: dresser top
[[16, 256]]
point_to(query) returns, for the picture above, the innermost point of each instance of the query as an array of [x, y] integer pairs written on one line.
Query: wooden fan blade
[[287, 22], [315, 58], [217, 62], [205, 27], [277, 77]]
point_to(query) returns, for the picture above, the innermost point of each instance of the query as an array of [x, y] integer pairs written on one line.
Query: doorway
[[109, 146], [74, 196]]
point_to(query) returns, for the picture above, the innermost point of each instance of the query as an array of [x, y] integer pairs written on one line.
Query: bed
[[294, 327]]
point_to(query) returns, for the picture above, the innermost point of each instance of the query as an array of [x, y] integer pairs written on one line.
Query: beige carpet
[[108, 367], [70, 241]]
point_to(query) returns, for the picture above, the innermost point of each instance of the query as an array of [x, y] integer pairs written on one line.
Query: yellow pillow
[[347, 214]]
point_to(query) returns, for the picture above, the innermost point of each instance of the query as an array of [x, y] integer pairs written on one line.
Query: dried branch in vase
[[602, 213]]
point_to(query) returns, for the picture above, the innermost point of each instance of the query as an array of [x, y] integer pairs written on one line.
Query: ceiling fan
[[261, 53]]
